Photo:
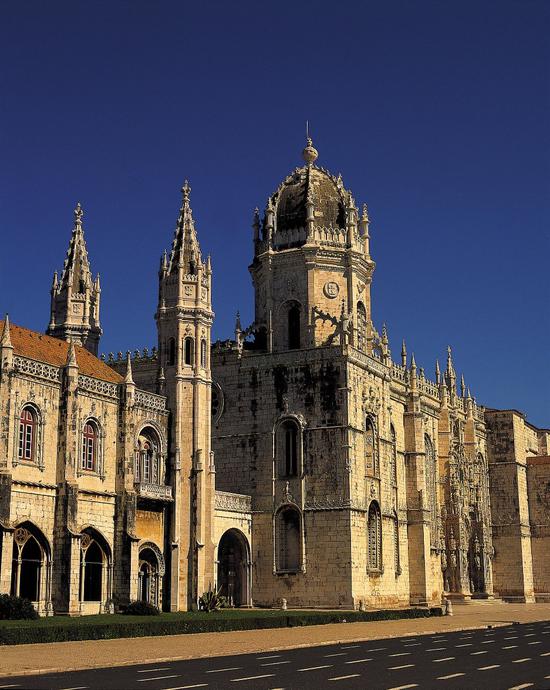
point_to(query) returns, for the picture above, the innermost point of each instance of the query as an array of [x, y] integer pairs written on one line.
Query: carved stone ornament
[[188, 290], [21, 535], [360, 287], [331, 289], [85, 541], [372, 490]]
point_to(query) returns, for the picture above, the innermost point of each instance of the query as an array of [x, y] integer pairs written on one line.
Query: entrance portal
[[234, 568]]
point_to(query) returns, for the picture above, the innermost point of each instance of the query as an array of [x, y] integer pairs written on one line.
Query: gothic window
[[431, 488], [361, 327], [188, 350], [371, 447], [203, 353], [90, 437], [171, 352], [29, 562], [148, 463], [288, 539], [374, 530], [393, 457], [288, 448], [294, 327], [28, 429]]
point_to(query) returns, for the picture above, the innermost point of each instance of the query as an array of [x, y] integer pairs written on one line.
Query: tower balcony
[[157, 492]]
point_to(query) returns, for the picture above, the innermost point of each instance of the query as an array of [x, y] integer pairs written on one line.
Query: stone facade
[[296, 461]]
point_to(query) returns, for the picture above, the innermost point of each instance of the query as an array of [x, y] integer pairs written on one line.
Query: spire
[[75, 296], [450, 375], [403, 354], [76, 274], [185, 250], [256, 224], [437, 372], [413, 373], [462, 386], [128, 377], [71, 356], [5, 341]]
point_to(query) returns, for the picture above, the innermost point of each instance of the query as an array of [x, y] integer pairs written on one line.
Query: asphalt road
[[513, 657]]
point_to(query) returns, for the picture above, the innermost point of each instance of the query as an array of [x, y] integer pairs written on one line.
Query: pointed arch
[[361, 327], [31, 567], [374, 537], [372, 465], [288, 539]]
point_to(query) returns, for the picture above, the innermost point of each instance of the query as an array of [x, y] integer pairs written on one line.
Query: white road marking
[[414, 644], [447, 658], [521, 687], [530, 635], [401, 654], [271, 656], [546, 654], [466, 644], [265, 675], [483, 652], [326, 656], [275, 663], [451, 675], [353, 675], [488, 668], [186, 687], [520, 661], [350, 646], [405, 687], [146, 680], [515, 637], [376, 649], [314, 668], [397, 668], [488, 641], [534, 643], [221, 670], [358, 661], [10, 686], [151, 670], [78, 687], [436, 649], [511, 646]]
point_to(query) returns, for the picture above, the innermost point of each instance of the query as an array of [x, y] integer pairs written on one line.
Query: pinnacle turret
[[74, 314], [5, 340], [185, 250]]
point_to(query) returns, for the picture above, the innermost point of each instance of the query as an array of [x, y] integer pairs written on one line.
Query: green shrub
[[212, 601], [141, 608], [16, 608]]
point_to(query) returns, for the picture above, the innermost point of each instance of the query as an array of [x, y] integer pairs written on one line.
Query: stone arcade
[[296, 461]]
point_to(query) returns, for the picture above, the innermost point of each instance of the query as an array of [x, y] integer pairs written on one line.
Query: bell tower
[[312, 267], [184, 321], [75, 297]]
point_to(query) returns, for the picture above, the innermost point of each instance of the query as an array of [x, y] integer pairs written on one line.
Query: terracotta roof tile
[[44, 348]]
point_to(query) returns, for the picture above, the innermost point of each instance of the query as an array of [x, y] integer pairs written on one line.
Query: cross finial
[[186, 190]]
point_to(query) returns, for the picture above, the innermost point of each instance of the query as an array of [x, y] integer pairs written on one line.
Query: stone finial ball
[[310, 153]]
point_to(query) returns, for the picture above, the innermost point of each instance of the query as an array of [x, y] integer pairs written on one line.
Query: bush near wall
[[117, 626]]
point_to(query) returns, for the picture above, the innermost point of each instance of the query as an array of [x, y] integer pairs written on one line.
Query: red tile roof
[[44, 348]]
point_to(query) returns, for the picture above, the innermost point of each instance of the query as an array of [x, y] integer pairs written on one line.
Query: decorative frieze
[[87, 383], [150, 401], [37, 369], [236, 503]]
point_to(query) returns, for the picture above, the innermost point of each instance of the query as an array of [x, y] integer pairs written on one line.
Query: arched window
[[188, 350], [288, 448], [148, 464], [28, 430], [171, 352], [374, 530], [371, 447], [361, 327], [89, 447], [294, 327], [31, 564], [288, 536], [203, 353], [393, 456], [431, 489], [149, 577]]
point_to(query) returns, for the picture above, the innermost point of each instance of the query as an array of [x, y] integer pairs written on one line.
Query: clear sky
[[436, 114]]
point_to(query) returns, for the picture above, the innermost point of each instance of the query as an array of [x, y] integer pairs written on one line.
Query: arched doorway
[[234, 568], [151, 570], [95, 571], [31, 567]]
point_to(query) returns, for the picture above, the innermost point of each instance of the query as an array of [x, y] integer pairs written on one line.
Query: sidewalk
[[70, 656]]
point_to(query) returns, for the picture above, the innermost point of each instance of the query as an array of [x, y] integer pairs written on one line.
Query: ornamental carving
[[331, 289], [21, 535]]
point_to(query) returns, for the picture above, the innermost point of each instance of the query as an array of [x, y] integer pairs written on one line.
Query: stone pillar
[[6, 556]]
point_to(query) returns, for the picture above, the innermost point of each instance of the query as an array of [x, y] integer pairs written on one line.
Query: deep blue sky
[[436, 113]]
